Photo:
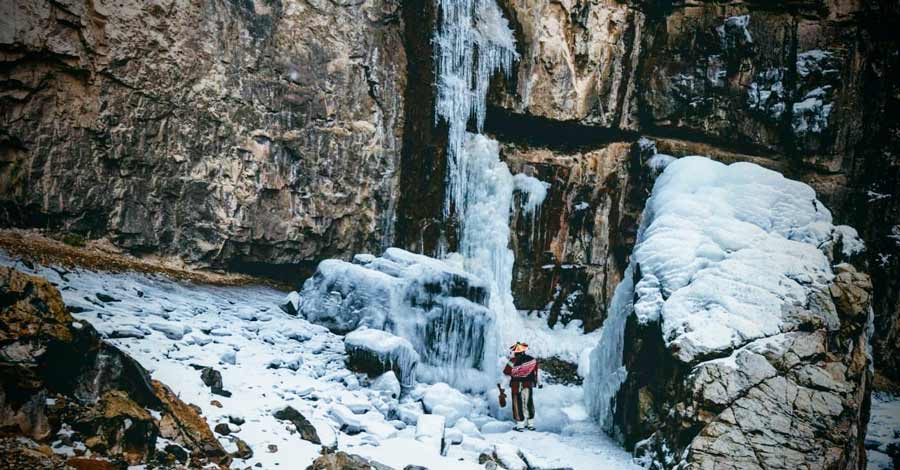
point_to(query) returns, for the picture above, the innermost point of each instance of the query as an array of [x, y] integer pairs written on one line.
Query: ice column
[[472, 41], [607, 371]]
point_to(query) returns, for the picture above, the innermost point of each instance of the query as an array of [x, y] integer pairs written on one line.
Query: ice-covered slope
[[730, 298], [269, 360]]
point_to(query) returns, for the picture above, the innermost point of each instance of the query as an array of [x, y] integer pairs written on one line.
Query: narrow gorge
[[305, 233]]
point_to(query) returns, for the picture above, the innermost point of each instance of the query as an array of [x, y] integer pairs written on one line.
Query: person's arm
[[508, 369]]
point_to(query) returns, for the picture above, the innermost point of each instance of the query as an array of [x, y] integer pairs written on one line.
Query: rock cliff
[[242, 135]]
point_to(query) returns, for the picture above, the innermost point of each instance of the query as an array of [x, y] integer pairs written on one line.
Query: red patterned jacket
[[523, 372]]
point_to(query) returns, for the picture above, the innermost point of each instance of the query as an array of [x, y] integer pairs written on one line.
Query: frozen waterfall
[[472, 41]]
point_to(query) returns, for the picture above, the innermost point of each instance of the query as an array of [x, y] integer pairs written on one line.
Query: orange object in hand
[[502, 396]]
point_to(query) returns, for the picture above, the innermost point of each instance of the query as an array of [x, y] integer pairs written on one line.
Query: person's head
[[518, 348]]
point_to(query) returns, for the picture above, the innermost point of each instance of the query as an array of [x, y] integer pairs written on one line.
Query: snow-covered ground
[[270, 360], [884, 430]]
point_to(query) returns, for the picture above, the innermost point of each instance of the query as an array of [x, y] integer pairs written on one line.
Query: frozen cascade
[[435, 305], [607, 372], [456, 311], [472, 41]]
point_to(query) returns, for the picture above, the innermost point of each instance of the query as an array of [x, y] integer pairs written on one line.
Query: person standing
[[522, 370]]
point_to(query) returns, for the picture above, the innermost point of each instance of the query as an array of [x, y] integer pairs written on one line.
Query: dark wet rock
[[223, 429], [243, 449], [106, 298], [178, 452], [213, 379], [557, 371], [304, 427]]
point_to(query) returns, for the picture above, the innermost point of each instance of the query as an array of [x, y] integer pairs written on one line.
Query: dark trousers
[[522, 402]]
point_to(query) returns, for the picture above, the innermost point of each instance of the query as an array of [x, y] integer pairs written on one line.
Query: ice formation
[[722, 251], [388, 352], [439, 308], [472, 41]]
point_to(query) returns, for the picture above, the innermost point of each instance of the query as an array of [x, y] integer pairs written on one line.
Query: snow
[[659, 162], [883, 430], [722, 251], [320, 388], [430, 431], [388, 384], [448, 402], [851, 243]]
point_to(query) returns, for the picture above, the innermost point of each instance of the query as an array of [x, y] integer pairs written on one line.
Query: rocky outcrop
[[795, 400], [228, 133], [579, 61], [61, 382], [344, 461], [745, 335]]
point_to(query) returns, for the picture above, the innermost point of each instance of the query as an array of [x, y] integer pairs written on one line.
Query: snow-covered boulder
[[733, 342], [387, 383], [441, 399], [430, 431], [435, 305], [375, 352]]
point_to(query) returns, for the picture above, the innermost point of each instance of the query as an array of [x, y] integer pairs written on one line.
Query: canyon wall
[[233, 134], [264, 136]]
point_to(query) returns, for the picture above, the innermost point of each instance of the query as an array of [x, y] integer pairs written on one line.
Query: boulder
[[344, 461], [304, 427], [375, 352], [742, 346], [439, 309]]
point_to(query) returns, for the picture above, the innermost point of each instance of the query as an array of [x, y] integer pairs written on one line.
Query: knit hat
[[519, 347]]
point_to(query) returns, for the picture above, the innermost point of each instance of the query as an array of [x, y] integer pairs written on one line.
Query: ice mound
[[724, 251], [723, 255], [438, 308]]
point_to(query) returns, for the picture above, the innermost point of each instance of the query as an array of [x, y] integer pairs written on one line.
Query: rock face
[[60, 379], [229, 134], [570, 255], [579, 61]]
